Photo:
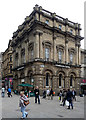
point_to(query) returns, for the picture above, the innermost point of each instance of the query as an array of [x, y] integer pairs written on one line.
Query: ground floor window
[[60, 80], [47, 79]]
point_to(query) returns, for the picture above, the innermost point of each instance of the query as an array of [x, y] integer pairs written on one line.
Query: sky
[[13, 13]]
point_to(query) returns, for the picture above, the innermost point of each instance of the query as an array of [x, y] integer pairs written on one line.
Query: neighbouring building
[[0, 70], [7, 64], [83, 70], [46, 51]]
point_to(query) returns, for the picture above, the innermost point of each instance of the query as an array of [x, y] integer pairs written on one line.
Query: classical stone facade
[[7, 65], [0, 70], [83, 70], [46, 51]]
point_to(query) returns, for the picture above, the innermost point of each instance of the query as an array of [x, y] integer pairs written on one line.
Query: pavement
[[9, 108]]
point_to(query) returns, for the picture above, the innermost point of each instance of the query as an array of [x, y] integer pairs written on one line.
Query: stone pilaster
[[36, 50], [76, 54], [66, 51], [55, 53], [26, 52], [41, 47], [19, 57], [79, 55]]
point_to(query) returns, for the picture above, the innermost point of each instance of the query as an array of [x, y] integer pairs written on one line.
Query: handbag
[[67, 103], [26, 102]]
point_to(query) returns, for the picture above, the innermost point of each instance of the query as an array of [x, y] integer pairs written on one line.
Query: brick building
[[46, 51]]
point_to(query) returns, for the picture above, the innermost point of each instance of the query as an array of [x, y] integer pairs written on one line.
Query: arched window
[[71, 80], [60, 80], [47, 79]]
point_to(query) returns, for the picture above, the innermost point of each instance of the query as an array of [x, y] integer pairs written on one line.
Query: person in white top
[[48, 94], [3, 91]]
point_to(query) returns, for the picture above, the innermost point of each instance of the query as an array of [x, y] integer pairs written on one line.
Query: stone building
[[46, 51], [7, 64], [83, 70], [0, 69]]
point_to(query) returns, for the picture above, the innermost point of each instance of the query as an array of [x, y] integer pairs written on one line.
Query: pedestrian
[[64, 96], [3, 91], [69, 98], [51, 94], [44, 93], [37, 95], [74, 94], [9, 92], [60, 97], [22, 104], [48, 94]]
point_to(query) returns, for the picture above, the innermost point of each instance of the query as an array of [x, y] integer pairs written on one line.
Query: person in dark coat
[[51, 93], [69, 98], [44, 93], [36, 92]]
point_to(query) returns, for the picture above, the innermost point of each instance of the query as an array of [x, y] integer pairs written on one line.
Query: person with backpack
[[9, 92]]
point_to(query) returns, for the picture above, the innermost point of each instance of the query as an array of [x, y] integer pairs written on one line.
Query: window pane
[[60, 27], [47, 53], [71, 78], [71, 58], [47, 79], [60, 78], [60, 56], [47, 21]]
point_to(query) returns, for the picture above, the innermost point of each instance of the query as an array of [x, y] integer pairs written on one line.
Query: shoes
[[26, 115], [22, 118]]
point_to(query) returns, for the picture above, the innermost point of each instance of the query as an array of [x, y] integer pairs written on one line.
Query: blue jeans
[[3, 94], [24, 113]]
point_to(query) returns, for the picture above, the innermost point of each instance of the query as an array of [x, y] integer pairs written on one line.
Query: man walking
[[36, 91], [69, 98]]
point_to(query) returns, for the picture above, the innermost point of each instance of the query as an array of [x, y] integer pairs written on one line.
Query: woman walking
[[23, 100]]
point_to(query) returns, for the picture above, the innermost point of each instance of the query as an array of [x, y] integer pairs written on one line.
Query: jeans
[[24, 113], [37, 97], [3, 94]]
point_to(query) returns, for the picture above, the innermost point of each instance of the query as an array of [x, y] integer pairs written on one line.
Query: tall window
[[60, 27], [10, 69], [47, 53], [16, 59], [23, 55], [71, 31], [60, 56], [71, 80], [10, 58], [47, 21], [60, 80], [71, 58], [47, 79]]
